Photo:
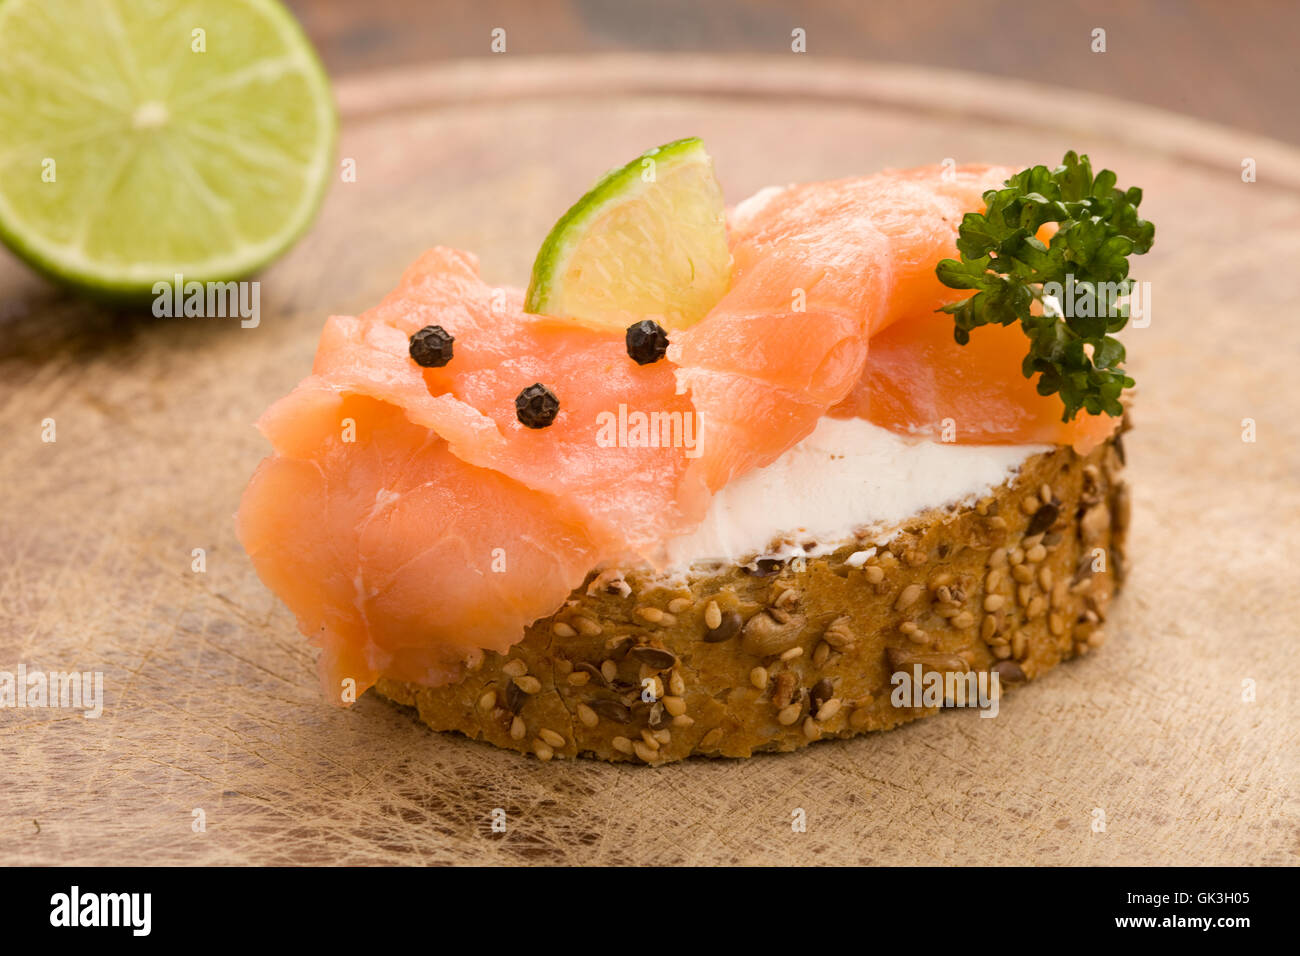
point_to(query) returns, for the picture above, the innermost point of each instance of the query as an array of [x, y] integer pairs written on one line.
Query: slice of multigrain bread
[[778, 655]]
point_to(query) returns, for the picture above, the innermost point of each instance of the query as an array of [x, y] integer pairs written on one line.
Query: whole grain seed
[[679, 605], [1019, 645], [608, 670], [787, 599], [488, 700], [829, 709], [788, 714], [908, 597], [579, 678], [514, 668], [1029, 505], [823, 690], [588, 716], [821, 654], [712, 616], [963, 620], [1035, 554], [1045, 493], [810, 729], [611, 710], [988, 626], [993, 601], [1056, 623], [551, 737], [644, 751], [528, 684], [560, 629], [1009, 671], [784, 692], [1031, 541], [838, 634], [683, 720], [649, 738], [771, 631], [875, 574], [1023, 573], [1036, 607], [517, 728], [1001, 651], [675, 706], [653, 657], [622, 745], [651, 614], [791, 654], [587, 627], [676, 684], [1043, 519], [993, 579], [758, 677], [1023, 595], [1045, 578], [729, 625], [664, 736], [655, 717], [1016, 556], [543, 751], [997, 557], [998, 523]]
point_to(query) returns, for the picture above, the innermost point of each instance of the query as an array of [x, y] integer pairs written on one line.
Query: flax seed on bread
[[732, 660]]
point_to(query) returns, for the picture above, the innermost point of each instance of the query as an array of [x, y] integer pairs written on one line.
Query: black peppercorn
[[537, 406], [431, 346], [646, 342]]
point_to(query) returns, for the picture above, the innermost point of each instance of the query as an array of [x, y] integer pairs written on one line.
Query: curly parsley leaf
[[1086, 261]]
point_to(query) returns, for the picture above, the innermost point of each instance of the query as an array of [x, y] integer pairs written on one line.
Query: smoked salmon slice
[[818, 270], [918, 381]]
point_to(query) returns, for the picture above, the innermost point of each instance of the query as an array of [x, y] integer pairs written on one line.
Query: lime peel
[[649, 240], [111, 178]]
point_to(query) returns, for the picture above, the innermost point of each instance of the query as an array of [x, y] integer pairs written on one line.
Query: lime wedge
[[140, 140], [648, 241]]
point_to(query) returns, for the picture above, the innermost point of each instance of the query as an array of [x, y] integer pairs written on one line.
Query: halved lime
[[648, 241], [140, 139]]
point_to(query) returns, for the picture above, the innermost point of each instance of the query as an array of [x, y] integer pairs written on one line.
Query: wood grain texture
[[211, 698]]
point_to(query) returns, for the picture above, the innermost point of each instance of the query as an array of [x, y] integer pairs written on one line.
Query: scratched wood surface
[[210, 696]]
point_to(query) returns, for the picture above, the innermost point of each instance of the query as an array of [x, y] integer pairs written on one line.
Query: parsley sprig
[[1074, 355]]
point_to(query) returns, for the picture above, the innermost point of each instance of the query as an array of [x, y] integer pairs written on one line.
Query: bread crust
[[774, 657]]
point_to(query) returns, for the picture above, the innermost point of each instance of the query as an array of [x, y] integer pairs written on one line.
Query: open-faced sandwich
[[718, 477]]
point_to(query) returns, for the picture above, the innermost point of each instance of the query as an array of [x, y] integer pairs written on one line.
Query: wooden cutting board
[[211, 701]]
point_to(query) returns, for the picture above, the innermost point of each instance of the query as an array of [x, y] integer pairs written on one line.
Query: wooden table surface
[[211, 699]]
